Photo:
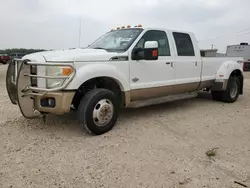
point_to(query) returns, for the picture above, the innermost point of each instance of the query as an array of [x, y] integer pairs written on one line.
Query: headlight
[[57, 71]]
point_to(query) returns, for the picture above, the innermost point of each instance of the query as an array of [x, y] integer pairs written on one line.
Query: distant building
[[220, 55], [209, 52], [240, 50]]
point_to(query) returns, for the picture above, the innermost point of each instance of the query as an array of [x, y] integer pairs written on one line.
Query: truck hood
[[74, 55]]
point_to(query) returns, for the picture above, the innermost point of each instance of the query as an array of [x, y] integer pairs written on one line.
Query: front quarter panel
[[119, 71]]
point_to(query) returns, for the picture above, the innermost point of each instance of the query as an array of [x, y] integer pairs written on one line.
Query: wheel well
[[237, 73], [98, 82]]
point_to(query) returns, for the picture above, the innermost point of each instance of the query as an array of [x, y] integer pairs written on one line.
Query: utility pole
[[212, 46], [80, 30]]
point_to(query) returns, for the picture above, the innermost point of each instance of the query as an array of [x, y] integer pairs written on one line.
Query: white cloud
[[55, 23]]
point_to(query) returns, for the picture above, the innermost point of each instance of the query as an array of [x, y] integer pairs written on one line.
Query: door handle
[[196, 63], [170, 63]]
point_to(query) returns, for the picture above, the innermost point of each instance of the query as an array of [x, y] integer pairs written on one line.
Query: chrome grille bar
[[49, 77], [67, 79], [17, 63], [51, 64]]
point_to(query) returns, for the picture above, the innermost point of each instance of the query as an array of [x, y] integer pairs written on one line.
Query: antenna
[[80, 30]]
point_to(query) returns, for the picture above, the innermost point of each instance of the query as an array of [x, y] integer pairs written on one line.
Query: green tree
[[20, 50]]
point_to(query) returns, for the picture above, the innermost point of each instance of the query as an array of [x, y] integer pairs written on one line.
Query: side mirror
[[149, 52]]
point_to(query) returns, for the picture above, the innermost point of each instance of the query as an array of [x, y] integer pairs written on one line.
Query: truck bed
[[212, 64]]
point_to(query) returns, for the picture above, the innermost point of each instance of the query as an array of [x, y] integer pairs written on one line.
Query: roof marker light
[[118, 28], [123, 27], [128, 26], [139, 25]]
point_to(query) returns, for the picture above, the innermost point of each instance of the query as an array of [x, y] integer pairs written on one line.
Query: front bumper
[[23, 90], [61, 102]]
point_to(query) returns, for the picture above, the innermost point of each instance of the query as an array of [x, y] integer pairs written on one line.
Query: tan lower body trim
[[155, 92], [63, 102], [206, 84], [127, 98]]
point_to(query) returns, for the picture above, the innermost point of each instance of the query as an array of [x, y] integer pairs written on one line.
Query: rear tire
[[98, 111], [231, 94], [216, 95]]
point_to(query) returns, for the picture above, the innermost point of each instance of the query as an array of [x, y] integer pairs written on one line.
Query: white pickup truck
[[127, 67]]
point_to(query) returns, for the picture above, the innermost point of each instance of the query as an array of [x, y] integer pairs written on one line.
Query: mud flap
[[10, 82], [25, 102]]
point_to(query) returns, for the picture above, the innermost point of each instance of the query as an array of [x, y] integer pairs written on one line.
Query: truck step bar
[[170, 98]]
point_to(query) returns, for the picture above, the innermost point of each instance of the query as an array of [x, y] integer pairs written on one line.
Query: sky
[[54, 24]]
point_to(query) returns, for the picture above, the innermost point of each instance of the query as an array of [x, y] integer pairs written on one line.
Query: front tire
[[98, 111]]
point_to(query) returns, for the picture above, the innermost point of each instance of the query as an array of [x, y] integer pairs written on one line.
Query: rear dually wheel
[[231, 93]]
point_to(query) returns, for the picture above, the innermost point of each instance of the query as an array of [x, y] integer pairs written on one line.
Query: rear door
[[152, 78], [188, 63]]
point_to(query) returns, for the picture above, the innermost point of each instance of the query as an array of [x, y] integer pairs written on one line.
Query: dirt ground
[[159, 146]]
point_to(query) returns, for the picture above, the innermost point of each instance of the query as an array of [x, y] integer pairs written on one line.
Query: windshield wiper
[[99, 48]]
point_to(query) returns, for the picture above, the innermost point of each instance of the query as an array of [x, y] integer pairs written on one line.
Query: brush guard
[[21, 84]]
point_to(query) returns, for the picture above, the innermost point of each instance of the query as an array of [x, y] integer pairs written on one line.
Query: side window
[[184, 44], [160, 37]]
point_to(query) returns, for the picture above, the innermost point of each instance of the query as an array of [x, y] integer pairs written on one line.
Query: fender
[[223, 74], [89, 71]]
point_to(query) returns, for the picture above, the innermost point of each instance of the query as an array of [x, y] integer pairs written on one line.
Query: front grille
[[33, 74], [33, 71]]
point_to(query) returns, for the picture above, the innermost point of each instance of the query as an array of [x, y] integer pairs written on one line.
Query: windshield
[[118, 40]]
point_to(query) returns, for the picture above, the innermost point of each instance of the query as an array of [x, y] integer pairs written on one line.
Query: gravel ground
[[158, 146]]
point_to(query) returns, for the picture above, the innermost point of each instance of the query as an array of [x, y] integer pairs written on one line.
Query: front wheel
[[98, 111]]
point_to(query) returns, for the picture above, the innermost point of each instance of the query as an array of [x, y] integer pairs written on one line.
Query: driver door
[[152, 78]]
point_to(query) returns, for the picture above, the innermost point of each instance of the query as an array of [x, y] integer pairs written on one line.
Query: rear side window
[[184, 44]]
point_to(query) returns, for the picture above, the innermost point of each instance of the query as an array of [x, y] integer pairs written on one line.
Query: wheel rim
[[103, 112], [234, 90]]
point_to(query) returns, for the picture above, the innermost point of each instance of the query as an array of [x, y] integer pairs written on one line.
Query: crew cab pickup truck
[[126, 67]]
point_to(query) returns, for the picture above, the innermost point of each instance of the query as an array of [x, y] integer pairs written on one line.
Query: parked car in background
[[17, 55], [4, 58]]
